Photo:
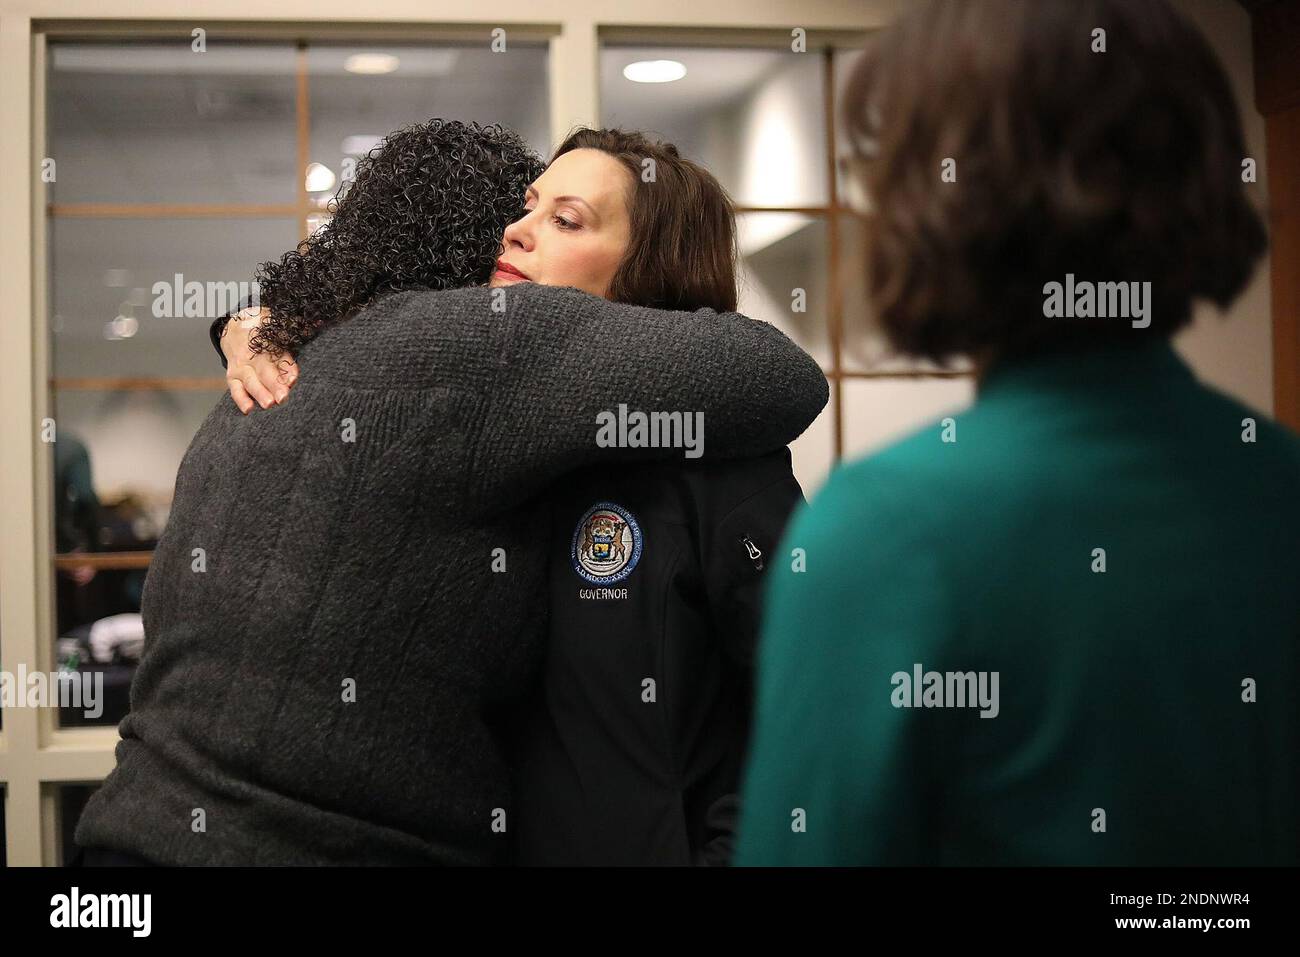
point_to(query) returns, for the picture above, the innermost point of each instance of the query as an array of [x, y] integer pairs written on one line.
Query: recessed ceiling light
[[121, 327], [319, 178], [654, 71], [370, 63]]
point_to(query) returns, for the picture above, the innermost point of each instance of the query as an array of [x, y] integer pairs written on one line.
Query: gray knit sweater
[[330, 636]]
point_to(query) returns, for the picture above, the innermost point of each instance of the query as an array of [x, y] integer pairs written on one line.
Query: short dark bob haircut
[[682, 247], [1117, 166]]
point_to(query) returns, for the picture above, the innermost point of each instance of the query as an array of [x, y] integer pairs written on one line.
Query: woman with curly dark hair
[[424, 210], [670, 556], [344, 610]]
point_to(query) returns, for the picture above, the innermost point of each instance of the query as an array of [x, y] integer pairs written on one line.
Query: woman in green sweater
[[1059, 628]]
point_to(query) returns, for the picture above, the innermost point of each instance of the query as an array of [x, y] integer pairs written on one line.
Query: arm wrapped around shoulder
[[568, 379], [590, 380]]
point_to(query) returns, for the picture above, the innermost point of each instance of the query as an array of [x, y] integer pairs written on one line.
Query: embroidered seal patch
[[606, 544]]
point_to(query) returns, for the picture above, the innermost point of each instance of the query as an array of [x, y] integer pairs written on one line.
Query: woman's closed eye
[[558, 220]]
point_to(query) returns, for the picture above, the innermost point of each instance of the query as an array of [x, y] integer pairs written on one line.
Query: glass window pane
[[783, 276], [160, 123], [755, 118], [813, 453], [133, 441], [103, 269], [880, 411], [115, 462], [844, 62], [71, 800], [865, 346], [351, 111]]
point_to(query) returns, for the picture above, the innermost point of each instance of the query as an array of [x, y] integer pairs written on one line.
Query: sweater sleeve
[[551, 366], [573, 363]]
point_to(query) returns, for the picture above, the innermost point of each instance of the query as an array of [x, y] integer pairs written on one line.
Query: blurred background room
[[137, 167]]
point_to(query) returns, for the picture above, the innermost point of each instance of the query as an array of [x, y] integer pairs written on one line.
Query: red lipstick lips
[[505, 267]]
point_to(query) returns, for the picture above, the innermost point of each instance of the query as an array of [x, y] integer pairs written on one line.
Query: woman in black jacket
[[628, 750]]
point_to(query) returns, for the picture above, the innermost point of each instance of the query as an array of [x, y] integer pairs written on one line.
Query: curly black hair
[[425, 210]]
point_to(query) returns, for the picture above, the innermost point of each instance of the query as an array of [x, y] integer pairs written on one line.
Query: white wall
[[1235, 351]]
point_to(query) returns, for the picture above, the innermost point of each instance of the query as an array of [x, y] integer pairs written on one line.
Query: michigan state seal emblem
[[606, 544]]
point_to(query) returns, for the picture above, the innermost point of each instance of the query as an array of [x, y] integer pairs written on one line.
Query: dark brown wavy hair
[[682, 250], [1116, 166], [425, 210]]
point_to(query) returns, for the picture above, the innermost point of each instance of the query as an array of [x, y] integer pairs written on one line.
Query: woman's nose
[[519, 233]]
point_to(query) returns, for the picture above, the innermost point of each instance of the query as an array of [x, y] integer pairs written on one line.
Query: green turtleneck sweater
[[1120, 546]]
